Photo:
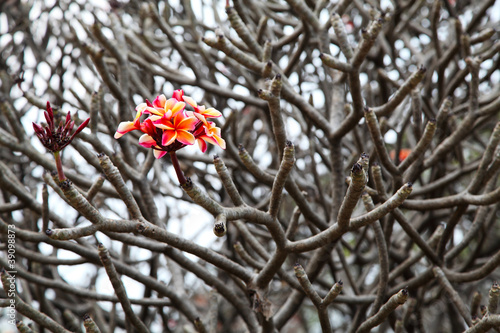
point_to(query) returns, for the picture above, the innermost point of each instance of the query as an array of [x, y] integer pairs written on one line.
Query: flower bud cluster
[[56, 139]]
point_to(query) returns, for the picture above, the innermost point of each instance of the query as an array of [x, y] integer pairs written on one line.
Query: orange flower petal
[[202, 144], [147, 141], [177, 94], [168, 137], [185, 137], [190, 101], [125, 127], [208, 139], [187, 124], [159, 153], [177, 107], [155, 111], [169, 104], [200, 117], [220, 141], [154, 118], [164, 123], [159, 101], [140, 108], [212, 113]]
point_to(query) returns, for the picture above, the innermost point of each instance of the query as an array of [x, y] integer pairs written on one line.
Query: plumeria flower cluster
[[170, 127]]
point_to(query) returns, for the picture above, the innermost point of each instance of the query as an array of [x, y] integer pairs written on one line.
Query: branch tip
[[356, 168], [220, 229], [188, 184], [141, 227], [65, 184]]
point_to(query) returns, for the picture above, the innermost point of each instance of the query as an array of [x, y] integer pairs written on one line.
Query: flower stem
[[60, 173], [180, 175]]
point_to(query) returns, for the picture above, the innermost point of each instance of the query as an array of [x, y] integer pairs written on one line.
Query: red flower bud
[[57, 139]]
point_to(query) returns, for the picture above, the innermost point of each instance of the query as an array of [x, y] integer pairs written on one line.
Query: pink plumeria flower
[[211, 134], [178, 127], [164, 107], [208, 113], [128, 126]]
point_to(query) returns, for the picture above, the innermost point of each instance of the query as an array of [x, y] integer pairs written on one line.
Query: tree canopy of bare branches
[[358, 190]]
